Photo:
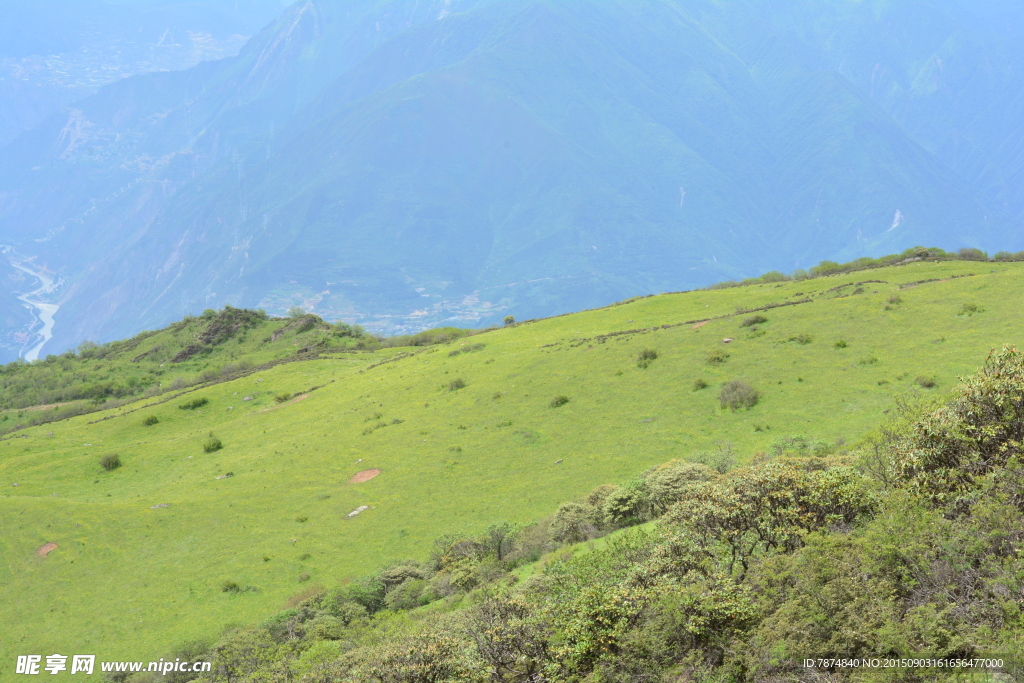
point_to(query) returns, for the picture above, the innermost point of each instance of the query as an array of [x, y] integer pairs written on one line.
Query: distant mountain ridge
[[401, 163]]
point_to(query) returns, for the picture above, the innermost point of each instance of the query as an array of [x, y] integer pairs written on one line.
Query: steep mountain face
[[400, 163]]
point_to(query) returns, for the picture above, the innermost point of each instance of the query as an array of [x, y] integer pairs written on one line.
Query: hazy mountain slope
[[53, 52], [403, 163], [951, 73]]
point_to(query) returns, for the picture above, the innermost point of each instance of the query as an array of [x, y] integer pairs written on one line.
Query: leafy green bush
[[699, 384], [281, 398], [738, 394], [717, 357], [456, 384], [151, 420], [753, 320], [194, 403], [509, 320], [800, 447], [230, 587], [645, 357], [972, 255], [628, 505], [111, 461], [212, 444], [980, 429], [925, 381], [840, 344], [1007, 256], [572, 523], [559, 401], [969, 309], [721, 460], [802, 339]]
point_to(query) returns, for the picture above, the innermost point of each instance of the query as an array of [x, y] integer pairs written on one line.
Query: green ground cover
[[462, 440]]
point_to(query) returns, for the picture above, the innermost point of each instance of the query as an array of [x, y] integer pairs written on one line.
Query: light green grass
[[131, 582]]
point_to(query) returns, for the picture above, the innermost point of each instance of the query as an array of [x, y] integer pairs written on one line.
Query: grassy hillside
[[465, 434], [197, 350]]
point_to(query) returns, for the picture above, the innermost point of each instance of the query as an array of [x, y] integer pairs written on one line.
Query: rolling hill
[[465, 434]]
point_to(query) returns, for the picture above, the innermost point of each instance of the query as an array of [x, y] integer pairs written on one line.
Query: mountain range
[[408, 163]]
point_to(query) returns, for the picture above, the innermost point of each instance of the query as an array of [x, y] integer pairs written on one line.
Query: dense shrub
[[456, 384], [753, 320], [966, 254], [211, 444], [151, 420], [194, 403], [281, 398], [699, 384], [646, 357], [969, 309], [738, 394], [717, 357], [800, 447], [982, 428], [559, 401], [111, 461]]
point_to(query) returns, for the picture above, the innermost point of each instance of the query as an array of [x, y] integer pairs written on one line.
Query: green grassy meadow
[[131, 581]]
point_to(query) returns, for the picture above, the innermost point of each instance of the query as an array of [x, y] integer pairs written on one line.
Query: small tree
[[111, 461], [509, 320]]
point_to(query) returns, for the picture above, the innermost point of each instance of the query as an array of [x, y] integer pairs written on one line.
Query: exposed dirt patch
[[702, 323], [365, 475], [46, 548]]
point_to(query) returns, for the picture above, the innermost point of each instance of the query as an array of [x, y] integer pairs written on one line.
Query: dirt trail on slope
[[46, 548]]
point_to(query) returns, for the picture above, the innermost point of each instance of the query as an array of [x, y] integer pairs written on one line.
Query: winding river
[[42, 310]]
